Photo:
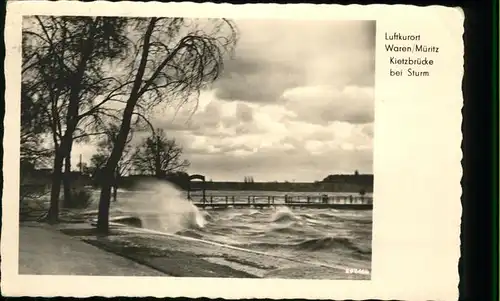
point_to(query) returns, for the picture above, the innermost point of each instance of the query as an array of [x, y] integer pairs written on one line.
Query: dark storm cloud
[[290, 105], [274, 56], [253, 79]]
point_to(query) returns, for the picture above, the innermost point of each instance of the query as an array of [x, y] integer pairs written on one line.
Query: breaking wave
[[326, 235], [162, 208]]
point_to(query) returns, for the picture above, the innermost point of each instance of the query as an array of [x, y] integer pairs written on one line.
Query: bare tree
[[174, 59], [157, 155], [64, 64]]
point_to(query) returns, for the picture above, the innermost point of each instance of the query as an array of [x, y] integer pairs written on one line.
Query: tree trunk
[[121, 139], [64, 149], [103, 215], [72, 114], [53, 214], [67, 180], [108, 173]]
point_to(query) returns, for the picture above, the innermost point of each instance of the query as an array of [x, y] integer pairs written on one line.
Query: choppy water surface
[[340, 237]]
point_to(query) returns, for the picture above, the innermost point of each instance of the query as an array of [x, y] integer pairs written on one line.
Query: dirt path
[[46, 251]]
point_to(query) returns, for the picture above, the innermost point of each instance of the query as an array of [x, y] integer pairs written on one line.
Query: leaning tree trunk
[[108, 173], [103, 215], [116, 153]]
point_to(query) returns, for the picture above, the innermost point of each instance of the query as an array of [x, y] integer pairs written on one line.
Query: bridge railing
[[282, 199]]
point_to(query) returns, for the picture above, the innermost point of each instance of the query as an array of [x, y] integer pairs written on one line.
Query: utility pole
[[80, 163]]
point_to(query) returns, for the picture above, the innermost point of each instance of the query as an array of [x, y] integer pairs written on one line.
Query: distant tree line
[[361, 179], [356, 183], [248, 179]]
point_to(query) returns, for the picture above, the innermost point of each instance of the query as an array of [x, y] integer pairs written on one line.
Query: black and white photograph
[[232, 151], [197, 147]]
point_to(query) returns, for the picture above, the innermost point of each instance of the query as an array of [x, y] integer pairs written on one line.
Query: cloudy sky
[[295, 104]]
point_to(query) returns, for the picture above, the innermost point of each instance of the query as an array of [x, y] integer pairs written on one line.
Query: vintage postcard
[[232, 151]]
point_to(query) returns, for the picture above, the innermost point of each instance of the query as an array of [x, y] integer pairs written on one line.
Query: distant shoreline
[[331, 184], [305, 190], [351, 187], [320, 187]]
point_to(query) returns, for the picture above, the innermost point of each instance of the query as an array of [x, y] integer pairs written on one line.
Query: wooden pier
[[347, 202], [319, 200]]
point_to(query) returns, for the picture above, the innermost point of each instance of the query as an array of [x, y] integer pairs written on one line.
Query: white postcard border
[[417, 154]]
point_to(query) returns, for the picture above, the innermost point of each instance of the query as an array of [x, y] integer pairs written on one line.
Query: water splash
[[283, 214], [162, 207]]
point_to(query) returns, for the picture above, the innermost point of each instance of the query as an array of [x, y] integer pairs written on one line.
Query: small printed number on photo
[[357, 271]]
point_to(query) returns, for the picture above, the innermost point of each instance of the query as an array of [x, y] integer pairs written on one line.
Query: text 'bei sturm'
[[408, 65]]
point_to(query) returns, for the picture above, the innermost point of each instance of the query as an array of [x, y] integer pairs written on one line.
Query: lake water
[[329, 236]]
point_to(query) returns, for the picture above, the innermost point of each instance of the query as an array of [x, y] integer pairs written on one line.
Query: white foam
[[150, 231], [162, 208]]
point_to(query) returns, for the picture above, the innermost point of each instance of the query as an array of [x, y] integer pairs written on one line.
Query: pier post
[[204, 195], [314, 201], [325, 199]]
